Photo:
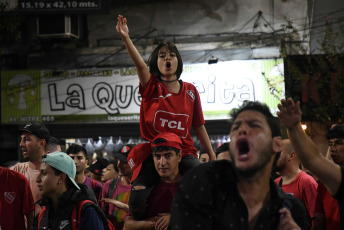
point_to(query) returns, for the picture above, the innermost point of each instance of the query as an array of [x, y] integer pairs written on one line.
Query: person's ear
[[277, 144], [179, 156], [62, 178], [42, 143], [292, 156]]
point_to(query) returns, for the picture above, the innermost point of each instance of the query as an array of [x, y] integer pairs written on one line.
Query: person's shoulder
[[153, 80], [89, 211], [211, 172], [277, 179], [107, 183], [11, 174], [98, 184], [188, 85], [78, 195], [20, 166], [306, 178], [94, 215], [16, 174]]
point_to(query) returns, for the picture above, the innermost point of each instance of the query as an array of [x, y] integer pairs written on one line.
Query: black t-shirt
[[207, 198]]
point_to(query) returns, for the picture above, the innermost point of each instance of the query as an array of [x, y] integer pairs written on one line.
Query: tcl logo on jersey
[[171, 122]]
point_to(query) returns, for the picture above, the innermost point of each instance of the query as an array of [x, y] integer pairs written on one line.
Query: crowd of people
[[255, 181]]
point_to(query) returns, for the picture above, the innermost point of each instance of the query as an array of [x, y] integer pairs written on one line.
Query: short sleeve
[[198, 118]]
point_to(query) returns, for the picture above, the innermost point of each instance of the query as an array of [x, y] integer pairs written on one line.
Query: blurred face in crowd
[[284, 157], [31, 146], [166, 164], [109, 172], [48, 182], [80, 161], [336, 148], [223, 156], [123, 168], [204, 158]]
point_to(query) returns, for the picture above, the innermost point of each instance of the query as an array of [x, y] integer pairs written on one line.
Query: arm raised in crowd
[[327, 171], [141, 67]]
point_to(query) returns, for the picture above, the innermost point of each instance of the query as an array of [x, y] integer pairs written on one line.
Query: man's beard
[[280, 168]]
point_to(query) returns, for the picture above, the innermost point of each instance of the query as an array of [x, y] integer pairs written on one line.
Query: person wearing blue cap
[[60, 194]]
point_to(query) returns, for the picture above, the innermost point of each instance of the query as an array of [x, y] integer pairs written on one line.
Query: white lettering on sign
[[109, 98], [115, 92]]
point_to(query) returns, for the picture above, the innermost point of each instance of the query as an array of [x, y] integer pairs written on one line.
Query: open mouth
[[168, 64], [243, 147]]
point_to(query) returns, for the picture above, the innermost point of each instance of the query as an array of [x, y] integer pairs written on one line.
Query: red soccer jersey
[[163, 111], [303, 187], [15, 198], [327, 207]]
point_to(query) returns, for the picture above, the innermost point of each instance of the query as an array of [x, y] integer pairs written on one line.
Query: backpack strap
[[40, 215], [112, 187], [77, 213], [94, 184], [281, 182]]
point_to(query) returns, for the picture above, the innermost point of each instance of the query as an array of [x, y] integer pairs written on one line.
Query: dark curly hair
[[261, 108], [336, 132], [75, 149]]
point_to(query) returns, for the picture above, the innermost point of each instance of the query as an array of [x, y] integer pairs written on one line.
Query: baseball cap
[[137, 156], [141, 152], [62, 162], [38, 130], [98, 165], [122, 155], [170, 139]]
